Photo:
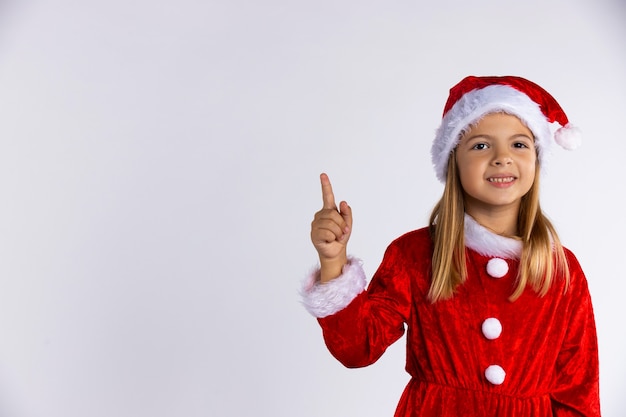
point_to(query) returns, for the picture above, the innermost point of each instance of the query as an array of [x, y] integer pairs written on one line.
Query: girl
[[498, 313]]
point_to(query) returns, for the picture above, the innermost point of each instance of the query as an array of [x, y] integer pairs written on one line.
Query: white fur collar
[[488, 243]]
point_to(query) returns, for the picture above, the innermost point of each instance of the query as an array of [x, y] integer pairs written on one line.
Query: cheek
[[529, 173], [468, 167], [531, 165], [468, 175]]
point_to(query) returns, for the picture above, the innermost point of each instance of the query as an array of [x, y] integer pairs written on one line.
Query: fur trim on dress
[[323, 300], [488, 243]]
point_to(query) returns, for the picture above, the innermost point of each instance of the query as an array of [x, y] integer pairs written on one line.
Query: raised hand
[[330, 232]]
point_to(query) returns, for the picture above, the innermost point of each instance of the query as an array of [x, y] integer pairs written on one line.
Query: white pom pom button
[[497, 267], [495, 374], [492, 328]]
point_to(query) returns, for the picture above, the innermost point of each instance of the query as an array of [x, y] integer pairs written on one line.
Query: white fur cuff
[[323, 300]]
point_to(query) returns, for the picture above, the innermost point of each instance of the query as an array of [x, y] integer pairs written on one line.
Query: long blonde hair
[[542, 258]]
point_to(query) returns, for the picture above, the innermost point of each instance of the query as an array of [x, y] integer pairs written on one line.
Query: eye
[[480, 146], [522, 145]]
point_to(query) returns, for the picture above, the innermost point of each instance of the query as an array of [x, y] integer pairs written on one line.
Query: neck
[[500, 220]]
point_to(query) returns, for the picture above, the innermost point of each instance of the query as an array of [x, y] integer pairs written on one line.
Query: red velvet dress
[[477, 354]]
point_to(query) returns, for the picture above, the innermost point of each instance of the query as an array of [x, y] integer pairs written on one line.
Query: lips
[[501, 180]]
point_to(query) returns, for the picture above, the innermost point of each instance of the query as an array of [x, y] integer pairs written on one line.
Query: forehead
[[498, 123]]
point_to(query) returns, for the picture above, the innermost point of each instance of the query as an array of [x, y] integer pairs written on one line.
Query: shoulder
[[414, 243], [415, 237], [571, 258], [578, 280], [407, 262]]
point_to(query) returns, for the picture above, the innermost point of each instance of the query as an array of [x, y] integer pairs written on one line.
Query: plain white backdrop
[[159, 168]]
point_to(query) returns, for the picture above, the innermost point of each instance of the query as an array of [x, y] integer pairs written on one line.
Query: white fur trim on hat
[[323, 300], [475, 105]]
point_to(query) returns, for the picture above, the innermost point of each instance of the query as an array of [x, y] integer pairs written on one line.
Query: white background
[[159, 168]]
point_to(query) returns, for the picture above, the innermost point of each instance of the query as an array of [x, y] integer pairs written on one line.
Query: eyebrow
[[486, 136]]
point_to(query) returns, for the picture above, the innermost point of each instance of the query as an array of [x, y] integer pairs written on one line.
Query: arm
[[576, 391], [359, 325]]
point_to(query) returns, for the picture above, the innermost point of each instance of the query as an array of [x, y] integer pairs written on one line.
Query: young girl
[[498, 313]]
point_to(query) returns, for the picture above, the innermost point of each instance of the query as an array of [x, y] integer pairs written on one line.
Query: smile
[[501, 180]]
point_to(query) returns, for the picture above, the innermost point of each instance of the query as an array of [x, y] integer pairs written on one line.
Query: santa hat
[[475, 97]]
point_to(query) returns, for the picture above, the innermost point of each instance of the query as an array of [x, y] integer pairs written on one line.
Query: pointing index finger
[[327, 193]]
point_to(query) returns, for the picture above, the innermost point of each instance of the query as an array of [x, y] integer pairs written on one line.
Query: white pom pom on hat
[[569, 137], [475, 97]]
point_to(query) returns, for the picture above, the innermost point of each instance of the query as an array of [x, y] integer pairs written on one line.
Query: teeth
[[507, 179]]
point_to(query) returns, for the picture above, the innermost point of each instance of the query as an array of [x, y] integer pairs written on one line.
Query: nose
[[502, 162], [502, 157]]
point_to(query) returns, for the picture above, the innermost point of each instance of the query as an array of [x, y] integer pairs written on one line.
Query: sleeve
[[358, 325], [322, 300], [577, 368]]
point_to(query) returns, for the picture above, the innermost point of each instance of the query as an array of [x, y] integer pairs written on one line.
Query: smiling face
[[496, 161]]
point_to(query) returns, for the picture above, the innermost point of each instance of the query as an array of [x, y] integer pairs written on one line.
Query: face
[[496, 161]]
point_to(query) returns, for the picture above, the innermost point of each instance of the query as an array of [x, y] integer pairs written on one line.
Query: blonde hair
[[542, 259]]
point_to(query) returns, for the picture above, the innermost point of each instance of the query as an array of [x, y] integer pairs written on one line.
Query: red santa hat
[[475, 97]]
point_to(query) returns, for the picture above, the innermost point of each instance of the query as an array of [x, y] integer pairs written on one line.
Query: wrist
[[325, 299], [332, 268]]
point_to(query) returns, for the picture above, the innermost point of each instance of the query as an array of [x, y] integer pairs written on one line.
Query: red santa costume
[[477, 353]]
